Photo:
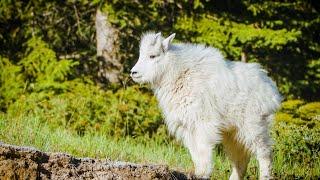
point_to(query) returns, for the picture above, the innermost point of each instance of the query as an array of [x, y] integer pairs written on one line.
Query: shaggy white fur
[[208, 100]]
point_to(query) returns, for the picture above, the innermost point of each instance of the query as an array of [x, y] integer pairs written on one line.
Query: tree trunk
[[110, 67], [243, 56]]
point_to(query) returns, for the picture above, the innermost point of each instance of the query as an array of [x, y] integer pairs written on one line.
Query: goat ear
[[166, 43], [157, 38], [158, 35]]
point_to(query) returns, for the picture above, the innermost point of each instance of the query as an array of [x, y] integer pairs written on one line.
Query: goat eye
[[152, 56]]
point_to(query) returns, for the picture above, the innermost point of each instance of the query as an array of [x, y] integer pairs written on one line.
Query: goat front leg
[[200, 149]]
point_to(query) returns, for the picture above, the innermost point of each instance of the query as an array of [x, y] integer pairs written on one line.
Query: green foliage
[[297, 146], [132, 18], [87, 108], [38, 70], [310, 111], [290, 106], [283, 36], [67, 25], [262, 31], [134, 113], [11, 82], [299, 110], [52, 94], [42, 68], [232, 37], [296, 133]]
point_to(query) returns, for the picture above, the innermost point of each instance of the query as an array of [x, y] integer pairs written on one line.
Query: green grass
[[30, 131]]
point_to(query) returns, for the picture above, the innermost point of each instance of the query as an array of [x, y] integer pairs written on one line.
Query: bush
[[11, 82], [41, 85], [296, 133], [38, 71], [86, 107]]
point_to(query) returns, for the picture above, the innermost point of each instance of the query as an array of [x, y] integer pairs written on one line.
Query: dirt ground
[[28, 163]]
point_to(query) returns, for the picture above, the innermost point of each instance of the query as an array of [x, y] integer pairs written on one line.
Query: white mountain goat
[[208, 100]]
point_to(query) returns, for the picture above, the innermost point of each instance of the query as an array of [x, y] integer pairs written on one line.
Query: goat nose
[[133, 73]]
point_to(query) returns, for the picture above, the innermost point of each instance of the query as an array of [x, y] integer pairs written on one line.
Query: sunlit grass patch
[[31, 131]]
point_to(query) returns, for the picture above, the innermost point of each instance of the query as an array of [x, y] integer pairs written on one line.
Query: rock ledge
[[29, 163]]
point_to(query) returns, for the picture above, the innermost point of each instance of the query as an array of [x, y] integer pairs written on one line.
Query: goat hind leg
[[263, 153], [238, 155]]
